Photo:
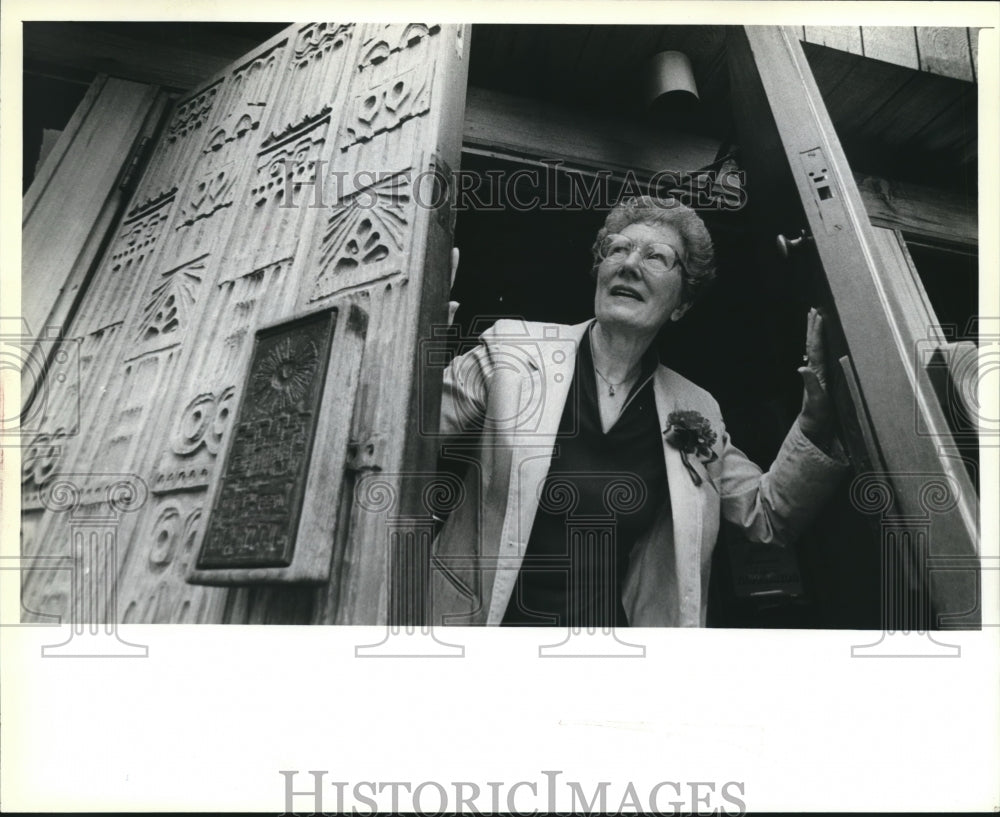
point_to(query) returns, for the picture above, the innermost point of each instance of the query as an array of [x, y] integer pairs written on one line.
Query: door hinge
[[365, 454], [134, 164]]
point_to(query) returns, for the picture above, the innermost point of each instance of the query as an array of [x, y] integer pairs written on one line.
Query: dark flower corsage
[[690, 433]]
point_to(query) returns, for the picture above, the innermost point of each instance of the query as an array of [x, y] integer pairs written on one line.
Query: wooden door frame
[[128, 115], [869, 269], [865, 266], [912, 446]]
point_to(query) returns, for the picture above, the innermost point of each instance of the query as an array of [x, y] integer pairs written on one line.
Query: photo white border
[[210, 717]]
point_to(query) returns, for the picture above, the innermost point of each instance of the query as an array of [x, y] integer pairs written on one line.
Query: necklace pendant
[[611, 391]]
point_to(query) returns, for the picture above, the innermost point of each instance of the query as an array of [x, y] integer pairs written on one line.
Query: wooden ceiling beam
[[535, 128], [927, 211]]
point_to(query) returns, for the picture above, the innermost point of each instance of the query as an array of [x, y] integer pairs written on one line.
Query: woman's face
[[633, 299]]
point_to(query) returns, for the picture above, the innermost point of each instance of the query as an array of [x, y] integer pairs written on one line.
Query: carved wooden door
[[920, 550], [306, 179]]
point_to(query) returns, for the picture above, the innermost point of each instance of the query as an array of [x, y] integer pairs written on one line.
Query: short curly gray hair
[[699, 256]]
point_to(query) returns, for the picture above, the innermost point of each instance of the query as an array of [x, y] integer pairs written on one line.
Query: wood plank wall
[[947, 51]]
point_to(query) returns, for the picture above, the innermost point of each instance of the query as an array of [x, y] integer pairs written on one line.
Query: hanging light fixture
[[669, 83]]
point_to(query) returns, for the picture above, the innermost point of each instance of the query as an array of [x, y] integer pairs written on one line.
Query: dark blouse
[[602, 492]]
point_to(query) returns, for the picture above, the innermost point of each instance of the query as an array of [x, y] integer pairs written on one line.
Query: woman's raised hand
[[816, 417]]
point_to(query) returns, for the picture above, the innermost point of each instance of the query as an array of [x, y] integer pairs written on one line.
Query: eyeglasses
[[655, 258]]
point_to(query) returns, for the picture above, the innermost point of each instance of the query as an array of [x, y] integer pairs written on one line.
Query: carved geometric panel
[[191, 114], [395, 80], [184, 135], [245, 301], [286, 187], [315, 41], [202, 423], [365, 235], [95, 346], [115, 283], [388, 102], [255, 516], [221, 161], [66, 413], [133, 400], [209, 191], [40, 459], [142, 228], [153, 590], [246, 97], [288, 160], [313, 75], [184, 390], [53, 421], [198, 430], [195, 442], [170, 303]]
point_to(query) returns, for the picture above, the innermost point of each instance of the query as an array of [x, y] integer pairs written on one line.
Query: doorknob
[[786, 245]]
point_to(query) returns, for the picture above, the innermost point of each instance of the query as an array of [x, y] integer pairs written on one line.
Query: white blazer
[[501, 407]]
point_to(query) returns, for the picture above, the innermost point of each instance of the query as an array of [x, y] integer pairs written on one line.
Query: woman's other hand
[[453, 305], [816, 417]]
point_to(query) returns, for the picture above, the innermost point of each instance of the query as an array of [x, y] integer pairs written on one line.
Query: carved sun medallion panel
[[255, 517]]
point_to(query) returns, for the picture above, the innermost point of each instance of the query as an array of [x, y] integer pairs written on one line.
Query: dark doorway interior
[[49, 104], [742, 342], [950, 275]]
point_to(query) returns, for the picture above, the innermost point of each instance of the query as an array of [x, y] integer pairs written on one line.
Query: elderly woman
[[599, 476]]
